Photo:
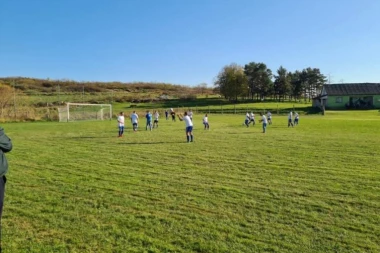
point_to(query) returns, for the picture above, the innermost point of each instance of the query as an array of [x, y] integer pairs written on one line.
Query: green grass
[[75, 187]]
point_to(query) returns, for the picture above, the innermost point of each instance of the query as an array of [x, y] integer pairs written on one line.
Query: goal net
[[78, 112]]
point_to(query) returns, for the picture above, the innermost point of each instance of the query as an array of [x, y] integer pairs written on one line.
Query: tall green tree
[[232, 82], [259, 79], [312, 80], [282, 84], [296, 84]]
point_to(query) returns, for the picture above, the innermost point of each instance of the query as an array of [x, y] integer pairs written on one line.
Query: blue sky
[[187, 41]]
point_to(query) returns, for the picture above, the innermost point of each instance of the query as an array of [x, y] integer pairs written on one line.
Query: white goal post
[[81, 111]]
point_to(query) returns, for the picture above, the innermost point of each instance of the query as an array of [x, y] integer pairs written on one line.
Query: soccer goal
[[80, 112]]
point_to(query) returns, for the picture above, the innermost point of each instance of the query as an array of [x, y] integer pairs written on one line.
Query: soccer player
[[120, 120], [148, 117], [173, 114], [247, 119], [290, 117], [296, 118], [252, 118], [156, 116], [166, 114], [190, 114], [134, 120], [205, 122], [189, 127], [265, 122], [269, 115]]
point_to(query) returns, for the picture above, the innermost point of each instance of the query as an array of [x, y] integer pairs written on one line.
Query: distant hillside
[[33, 86]]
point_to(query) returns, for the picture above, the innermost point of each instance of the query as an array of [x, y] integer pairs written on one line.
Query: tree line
[[256, 81]]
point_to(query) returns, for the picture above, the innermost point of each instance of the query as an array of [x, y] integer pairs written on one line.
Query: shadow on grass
[[152, 142], [86, 137]]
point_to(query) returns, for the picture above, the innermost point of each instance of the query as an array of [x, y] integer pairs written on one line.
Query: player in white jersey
[[134, 120], [265, 122], [290, 118], [247, 119], [120, 122], [296, 118], [205, 122], [156, 115], [269, 117], [252, 118], [189, 127]]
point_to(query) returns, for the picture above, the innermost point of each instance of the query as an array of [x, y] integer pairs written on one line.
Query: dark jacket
[[5, 146]]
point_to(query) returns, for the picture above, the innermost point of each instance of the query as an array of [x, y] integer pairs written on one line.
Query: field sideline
[[76, 187]]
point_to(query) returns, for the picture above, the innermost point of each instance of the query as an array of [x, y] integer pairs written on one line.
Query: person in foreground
[[265, 122], [189, 126], [5, 146]]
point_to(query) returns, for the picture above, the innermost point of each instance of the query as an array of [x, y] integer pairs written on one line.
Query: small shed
[[349, 96]]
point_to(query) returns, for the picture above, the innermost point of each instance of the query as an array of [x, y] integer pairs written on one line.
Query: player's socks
[[188, 138], [192, 138]]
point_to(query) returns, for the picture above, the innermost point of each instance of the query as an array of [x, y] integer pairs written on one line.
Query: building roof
[[352, 89]]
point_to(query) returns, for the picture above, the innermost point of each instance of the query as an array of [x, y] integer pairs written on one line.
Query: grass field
[[75, 187]]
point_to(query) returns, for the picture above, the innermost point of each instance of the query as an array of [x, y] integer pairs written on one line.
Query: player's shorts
[[121, 128], [246, 122], [269, 118], [290, 120], [134, 124], [156, 121], [189, 129]]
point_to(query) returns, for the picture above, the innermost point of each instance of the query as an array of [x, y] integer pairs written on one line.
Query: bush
[[188, 97]]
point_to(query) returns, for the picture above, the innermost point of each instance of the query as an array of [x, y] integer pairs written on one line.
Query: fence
[[223, 109], [49, 112]]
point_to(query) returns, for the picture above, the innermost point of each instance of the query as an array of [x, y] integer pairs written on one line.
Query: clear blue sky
[[187, 41]]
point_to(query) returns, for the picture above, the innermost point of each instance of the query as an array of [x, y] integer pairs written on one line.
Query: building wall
[[337, 102], [376, 101]]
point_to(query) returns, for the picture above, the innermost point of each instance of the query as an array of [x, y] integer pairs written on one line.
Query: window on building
[[339, 100]]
